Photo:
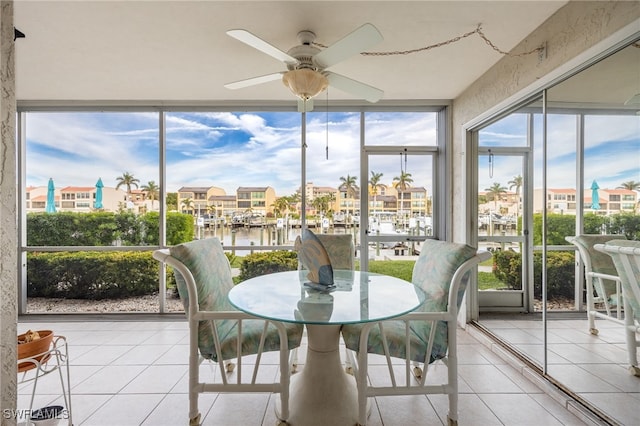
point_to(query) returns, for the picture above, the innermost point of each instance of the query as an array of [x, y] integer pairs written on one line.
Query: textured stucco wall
[[572, 30], [8, 229]]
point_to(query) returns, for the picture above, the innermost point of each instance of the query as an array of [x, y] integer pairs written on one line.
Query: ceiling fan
[[307, 65]]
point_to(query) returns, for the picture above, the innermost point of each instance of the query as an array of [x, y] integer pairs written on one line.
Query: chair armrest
[[603, 276]]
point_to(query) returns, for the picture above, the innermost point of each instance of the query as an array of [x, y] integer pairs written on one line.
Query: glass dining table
[[323, 393]]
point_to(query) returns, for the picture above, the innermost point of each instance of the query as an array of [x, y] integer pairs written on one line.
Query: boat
[[339, 219]]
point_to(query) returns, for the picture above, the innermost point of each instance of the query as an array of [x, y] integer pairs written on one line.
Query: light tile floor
[[594, 367], [134, 372]]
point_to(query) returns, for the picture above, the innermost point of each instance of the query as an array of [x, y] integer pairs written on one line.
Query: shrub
[[507, 267], [560, 274], [263, 263], [92, 275], [106, 228]]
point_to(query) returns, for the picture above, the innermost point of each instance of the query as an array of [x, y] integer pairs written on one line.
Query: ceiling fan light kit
[[305, 83]]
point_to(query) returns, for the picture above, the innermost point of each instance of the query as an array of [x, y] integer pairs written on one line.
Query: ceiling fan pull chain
[[327, 124], [490, 165], [405, 159]]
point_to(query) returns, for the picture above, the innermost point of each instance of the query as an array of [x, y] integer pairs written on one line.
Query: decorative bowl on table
[[33, 345]]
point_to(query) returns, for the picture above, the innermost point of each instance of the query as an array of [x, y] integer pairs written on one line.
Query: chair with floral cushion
[[421, 337], [602, 282], [341, 251], [626, 258], [221, 333]]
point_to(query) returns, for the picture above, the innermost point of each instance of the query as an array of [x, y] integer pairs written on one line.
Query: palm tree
[[187, 204], [374, 182], [152, 191], [401, 183], [516, 183], [493, 193], [281, 205], [331, 198], [319, 204], [631, 184], [172, 201], [294, 199], [349, 185], [127, 180]]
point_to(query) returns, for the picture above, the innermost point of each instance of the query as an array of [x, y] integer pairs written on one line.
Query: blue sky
[[221, 149], [232, 149], [612, 150]]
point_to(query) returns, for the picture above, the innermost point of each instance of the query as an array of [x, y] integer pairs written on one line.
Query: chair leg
[[591, 308], [361, 384], [630, 337], [195, 421]]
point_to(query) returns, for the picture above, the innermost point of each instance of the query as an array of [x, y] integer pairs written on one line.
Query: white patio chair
[[220, 333], [602, 282], [626, 258], [421, 337]]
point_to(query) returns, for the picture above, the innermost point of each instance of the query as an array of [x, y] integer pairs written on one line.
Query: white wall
[[8, 216]]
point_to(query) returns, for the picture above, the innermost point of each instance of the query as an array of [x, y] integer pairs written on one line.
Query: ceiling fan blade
[[361, 90], [257, 43], [357, 41], [253, 81]]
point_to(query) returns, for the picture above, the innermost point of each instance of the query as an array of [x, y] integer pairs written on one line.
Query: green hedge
[[93, 275], [263, 263], [122, 228], [561, 272], [559, 226], [507, 267]]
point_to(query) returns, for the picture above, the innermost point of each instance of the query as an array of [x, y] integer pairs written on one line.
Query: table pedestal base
[[322, 393]]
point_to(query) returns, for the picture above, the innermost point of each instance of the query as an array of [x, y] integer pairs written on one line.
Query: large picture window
[[101, 187]]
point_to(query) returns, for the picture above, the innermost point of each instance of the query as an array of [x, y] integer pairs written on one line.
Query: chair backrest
[[442, 271], [340, 248], [626, 258], [594, 260], [202, 270], [435, 269], [211, 273]]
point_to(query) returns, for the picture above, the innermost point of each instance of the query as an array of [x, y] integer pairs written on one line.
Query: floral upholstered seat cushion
[[433, 272], [211, 272], [340, 249], [600, 262], [313, 255]]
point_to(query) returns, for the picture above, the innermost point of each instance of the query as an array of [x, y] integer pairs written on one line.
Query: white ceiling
[[176, 51]]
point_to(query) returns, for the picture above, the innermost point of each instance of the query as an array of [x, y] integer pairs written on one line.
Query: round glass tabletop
[[357, 297]]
